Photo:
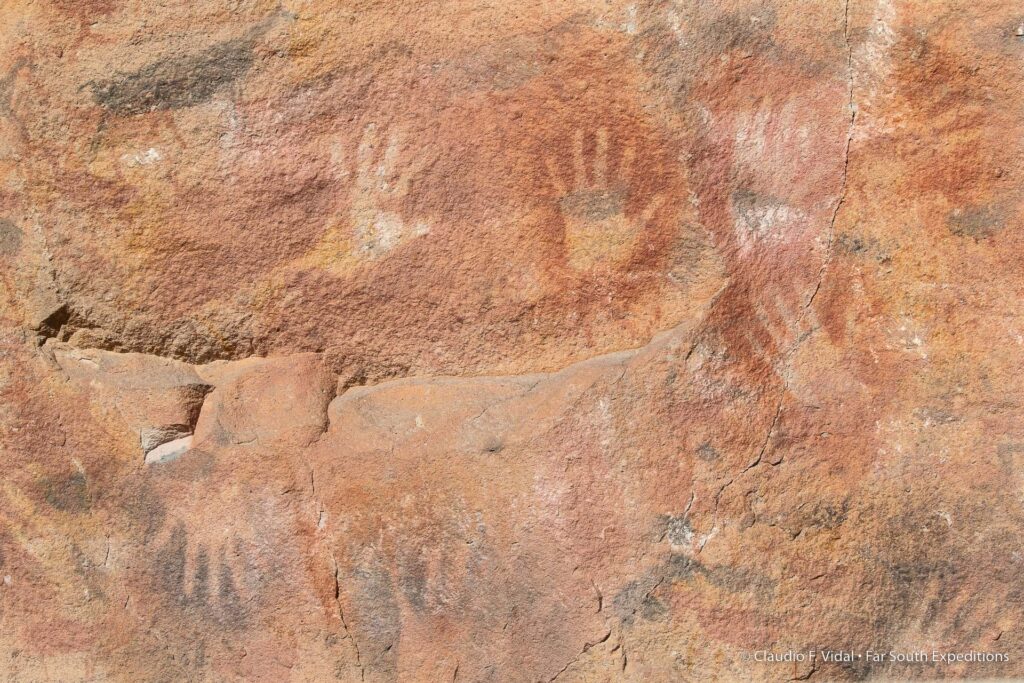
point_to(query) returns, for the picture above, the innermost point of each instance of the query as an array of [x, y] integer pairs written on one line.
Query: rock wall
[[510, 341]]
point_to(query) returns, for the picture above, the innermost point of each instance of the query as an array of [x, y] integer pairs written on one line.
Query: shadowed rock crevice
[[52, 326]]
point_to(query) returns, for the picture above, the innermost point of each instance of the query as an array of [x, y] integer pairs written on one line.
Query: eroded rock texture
[[509, 341]]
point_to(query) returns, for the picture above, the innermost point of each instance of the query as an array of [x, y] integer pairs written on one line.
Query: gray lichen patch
[[678, 530]]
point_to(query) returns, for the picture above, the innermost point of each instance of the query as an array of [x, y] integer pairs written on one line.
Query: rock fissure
[[341, 617], [586, 648], [826, 260], [852, 107]]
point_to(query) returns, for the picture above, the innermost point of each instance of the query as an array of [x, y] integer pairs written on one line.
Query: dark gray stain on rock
[[863, 247], [594, 205], [377, 618], [209, 588], [978, 221], [633, 598], [10, 238], [666, 26], [1010, 453], [741, 30], [413, 578], [233, 610], [170, 564], [854, 244], [707, 452], [639, 598], [681, 567], [176, 82], [68, 494]]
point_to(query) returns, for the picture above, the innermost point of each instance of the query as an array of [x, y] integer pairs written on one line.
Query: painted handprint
[[210, 551], [381, 184], [204, 576], [599, 232], [772, 329]]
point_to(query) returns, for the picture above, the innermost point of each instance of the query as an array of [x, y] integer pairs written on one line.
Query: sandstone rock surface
[[510, 341]]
